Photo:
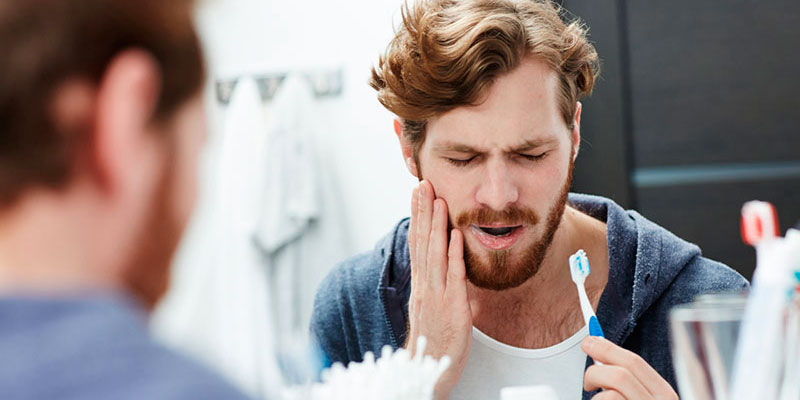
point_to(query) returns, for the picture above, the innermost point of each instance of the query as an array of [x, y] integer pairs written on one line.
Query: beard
[[147, 274], [500, 272]]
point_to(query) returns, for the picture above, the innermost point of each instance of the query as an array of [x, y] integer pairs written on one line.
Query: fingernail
[[435, 206], [590, 341], [422, 190]]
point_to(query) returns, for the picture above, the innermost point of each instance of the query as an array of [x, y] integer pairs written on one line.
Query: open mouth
[[497, 237], [498, 231]]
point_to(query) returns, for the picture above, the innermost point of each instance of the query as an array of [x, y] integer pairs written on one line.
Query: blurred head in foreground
[[101, 123]]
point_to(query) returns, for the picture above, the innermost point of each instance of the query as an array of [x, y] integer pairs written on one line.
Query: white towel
[[270, 229], [219, 308], [291, 199]]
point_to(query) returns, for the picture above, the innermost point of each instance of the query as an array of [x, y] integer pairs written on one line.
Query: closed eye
[[533, 157], [460, 161]]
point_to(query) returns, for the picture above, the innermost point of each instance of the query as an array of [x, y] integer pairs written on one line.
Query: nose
[[497, 188]]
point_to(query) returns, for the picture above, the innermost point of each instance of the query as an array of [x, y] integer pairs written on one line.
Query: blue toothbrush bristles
[[583, 262]]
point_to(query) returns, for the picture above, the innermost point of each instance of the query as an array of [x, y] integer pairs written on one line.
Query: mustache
[[511, 215]]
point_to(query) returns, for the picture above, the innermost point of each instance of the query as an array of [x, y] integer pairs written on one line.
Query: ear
[[407, 149], [126, 99], [576, 131]]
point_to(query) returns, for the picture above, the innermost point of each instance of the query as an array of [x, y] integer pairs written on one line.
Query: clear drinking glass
[[704, 336]]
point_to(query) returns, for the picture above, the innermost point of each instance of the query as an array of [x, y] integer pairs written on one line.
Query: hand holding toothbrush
[[438, 306], [621, 374]]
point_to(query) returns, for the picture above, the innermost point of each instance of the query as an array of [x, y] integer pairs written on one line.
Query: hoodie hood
[[644, 259]]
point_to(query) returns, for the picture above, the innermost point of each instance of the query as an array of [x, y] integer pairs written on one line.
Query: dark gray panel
[[602, 166], [709, 214], [714, 81]]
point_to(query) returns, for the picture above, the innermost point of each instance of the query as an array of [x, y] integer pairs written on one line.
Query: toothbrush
[[790, 389], [579, 269], [759, 353]]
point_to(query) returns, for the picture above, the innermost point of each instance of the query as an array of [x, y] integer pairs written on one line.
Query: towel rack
[[324, 84]]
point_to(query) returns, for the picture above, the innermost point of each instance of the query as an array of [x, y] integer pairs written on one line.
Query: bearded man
[[487, 98]]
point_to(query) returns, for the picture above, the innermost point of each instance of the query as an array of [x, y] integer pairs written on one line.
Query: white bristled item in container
[[395, 376]]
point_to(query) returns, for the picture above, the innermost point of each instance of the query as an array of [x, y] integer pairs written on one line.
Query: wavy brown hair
[[447, 52]]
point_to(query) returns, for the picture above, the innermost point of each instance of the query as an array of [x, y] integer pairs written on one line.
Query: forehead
[[521, 105]]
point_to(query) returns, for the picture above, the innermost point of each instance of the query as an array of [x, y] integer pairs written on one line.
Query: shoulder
[[355, 272], [128, 369], [168, 374], [348, 282], [697, 277], [702, 276], [682, 270], [347, 308], [359, 277], [360, 305]]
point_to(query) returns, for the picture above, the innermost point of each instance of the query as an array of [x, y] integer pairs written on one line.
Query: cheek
[[540, 187], [457, 190], [190, 142], [184, 196]]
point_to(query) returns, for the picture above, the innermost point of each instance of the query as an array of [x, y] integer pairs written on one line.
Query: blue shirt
[[92, 347]]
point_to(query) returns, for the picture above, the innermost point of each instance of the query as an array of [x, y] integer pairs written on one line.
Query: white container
[[540, 392]]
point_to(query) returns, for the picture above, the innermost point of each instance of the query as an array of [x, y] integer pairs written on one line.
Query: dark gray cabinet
[[696, 112]]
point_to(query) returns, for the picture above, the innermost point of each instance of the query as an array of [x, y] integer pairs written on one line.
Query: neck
[[46, 247], [540, 312]]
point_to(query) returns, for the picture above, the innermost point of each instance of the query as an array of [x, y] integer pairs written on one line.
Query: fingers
[[412, 238], [608, 395], [608, 353], [437, 248], [612, 377], [423, 232], [456, 270], [412, 227], [415, 296]]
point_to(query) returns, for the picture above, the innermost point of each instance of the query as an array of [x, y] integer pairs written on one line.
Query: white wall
[[358, 149], [262, 36]]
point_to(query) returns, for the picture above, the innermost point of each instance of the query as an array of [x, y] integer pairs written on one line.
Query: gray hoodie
[[363, 303]]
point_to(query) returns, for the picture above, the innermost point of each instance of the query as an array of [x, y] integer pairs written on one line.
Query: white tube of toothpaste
[[760, 353], [790, 388]]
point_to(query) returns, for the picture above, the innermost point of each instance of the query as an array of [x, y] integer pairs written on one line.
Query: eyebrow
[[463, 148], [533, 144]]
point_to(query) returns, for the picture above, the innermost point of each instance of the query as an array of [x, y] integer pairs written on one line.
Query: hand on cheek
[[623, 375], [438, 305]]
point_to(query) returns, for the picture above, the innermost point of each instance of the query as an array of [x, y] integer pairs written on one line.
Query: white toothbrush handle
[[586, 308]]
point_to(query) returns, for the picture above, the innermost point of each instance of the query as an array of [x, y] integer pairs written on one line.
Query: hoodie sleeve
[[331, 317], [650, 338], [702, 276], [348, 318]]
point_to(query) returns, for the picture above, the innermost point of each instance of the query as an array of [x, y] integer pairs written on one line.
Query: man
[[489, 120], [101, 122]]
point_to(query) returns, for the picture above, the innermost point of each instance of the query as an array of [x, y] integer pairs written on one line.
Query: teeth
[[498, 231]]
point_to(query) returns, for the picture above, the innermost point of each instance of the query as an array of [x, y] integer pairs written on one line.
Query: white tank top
[[493, 365]]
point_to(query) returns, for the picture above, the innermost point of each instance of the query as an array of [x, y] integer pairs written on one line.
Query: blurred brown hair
[[45, 43], [447, 52]]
